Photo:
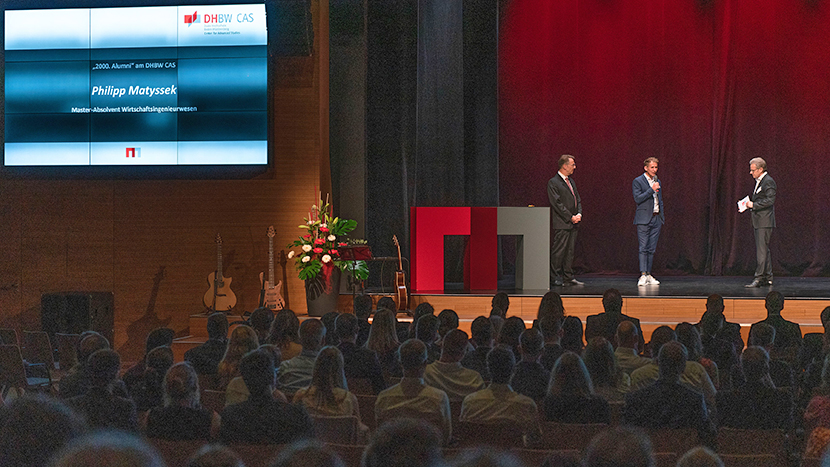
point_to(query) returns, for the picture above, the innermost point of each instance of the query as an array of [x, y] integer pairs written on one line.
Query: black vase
[[319, 298]]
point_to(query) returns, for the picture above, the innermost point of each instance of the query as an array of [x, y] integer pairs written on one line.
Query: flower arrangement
[[318, 253]]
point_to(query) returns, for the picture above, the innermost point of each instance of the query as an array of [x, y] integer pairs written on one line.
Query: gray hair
[[759, 163]]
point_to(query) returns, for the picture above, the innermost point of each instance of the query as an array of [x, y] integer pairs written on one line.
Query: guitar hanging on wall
[[400, 279], [271, 297], [219, 296]]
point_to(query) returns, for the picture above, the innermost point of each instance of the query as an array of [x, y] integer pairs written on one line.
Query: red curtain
[[705, 85]]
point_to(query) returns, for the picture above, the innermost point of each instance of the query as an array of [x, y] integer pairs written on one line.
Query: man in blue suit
[[649, 218]]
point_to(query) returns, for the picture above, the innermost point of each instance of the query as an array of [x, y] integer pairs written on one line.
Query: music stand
[[355, 253]]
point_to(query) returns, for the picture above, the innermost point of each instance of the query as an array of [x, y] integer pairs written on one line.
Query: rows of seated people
[[276, 374]]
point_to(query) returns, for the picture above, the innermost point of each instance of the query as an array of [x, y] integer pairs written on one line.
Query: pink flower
[[324, 229], [307, 236], [333, 252], [342, 244], [319, 241], [317, 250]]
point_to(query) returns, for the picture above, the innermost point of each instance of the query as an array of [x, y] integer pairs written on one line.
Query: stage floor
[[815, 288]]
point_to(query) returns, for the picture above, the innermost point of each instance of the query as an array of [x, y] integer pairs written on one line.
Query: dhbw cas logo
[[194, 18]]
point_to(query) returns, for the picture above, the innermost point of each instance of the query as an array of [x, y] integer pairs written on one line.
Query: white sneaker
[[643, 280], [652, 281]]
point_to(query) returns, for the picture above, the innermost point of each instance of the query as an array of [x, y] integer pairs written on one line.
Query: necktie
[[568, 181]]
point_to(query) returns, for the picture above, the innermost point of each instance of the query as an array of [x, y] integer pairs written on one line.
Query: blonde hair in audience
[[382, 335], [243, 340], [570, 376], [327, 375]]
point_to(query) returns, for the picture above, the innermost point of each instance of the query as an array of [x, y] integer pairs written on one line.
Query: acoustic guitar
[[271, 297], [219, 296], [400, 279]]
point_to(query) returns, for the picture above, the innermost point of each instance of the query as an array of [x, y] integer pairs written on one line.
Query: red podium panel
[[429, 225]]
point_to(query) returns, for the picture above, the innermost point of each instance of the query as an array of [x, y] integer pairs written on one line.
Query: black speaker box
[[76, 312]]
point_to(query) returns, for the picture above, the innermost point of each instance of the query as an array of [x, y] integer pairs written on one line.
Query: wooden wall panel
[[151, 242]]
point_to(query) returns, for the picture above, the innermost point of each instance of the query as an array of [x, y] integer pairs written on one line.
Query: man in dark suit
[[605, 324], [262, 419], [667, 403], [566, 213], [762, 204], [358, 362], [787, 333], [206, 357], [729, 332], [648, 218]]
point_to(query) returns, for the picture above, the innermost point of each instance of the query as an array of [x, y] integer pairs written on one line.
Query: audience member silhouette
[[447, 374], [628, 347], [619, 447], [157, 338], [360, 362], [426, 331], [551, 328], [243, 340], [285, 334], [261, 320], [362, 310], [481, 330], [205, 358], [110, 448], [215, 455], [33, 428], [787, 333], [700, 457], [149, 392], [605, 324], [571, 397], [383, 340], [77, 382], [610, 382], [182, 416], [296, 373], [307, 453], [572, 335], [688, 335], [530, 378], [510, 332], [99, 405]]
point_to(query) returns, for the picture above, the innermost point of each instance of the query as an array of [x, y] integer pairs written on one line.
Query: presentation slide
[[170, 85]]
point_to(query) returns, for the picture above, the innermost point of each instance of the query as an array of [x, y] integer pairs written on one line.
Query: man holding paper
[[762, 204]]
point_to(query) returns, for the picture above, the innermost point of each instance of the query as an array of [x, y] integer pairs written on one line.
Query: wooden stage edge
[[652, 311]]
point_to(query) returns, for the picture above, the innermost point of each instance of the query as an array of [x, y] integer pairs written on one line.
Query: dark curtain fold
[[703, 85]]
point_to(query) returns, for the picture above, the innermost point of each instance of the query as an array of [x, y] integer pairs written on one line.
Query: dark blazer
[[206, 357], [668, 404], [644, 199], [605, 325], [360, 362], [755, 407], [550, 354], [102, 409], [261, 420], [787, 333], [477, 361], [530, 379], [763, 204], [564, 205]]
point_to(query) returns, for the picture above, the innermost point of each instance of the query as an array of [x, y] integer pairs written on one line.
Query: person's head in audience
[[112, 448], [510, 332], [774, 303], [217, 326], [485, 457], [627, 335], [825, 319], [700, 457], [551, 328], [612, 301], [382, 335], [500, 364], [601, 362], [714, 303], [671, 361], [569, 376], [104, 366], [33, 428], [181, 386], [688, 335], [454, 346], [825, 376], [215, 455], [412, 355], [501, 301], [284, 329], [387, 303], [362, 307], [258, 373], [762, 335], [551, 305], [481, 331], [346, 326], [275, 352], [619, 447], [329, 321], [423, 309], [447, 321], [159, 360], [404, 442], [243, 340], [261, 320], [89, 345], [531, 344], [307, 453], [755, 364], [158, 337], [327, 375], [426, 330], [659, 337], [572, 334], [312, 333], [711, 323]]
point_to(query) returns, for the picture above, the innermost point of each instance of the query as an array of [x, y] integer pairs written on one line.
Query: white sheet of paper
[[742, 204]]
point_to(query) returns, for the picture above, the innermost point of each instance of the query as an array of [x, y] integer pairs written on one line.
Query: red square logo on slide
[[190, 19], [133, 152]]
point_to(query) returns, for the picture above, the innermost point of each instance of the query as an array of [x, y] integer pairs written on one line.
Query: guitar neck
[[218, 261], [271, 261]]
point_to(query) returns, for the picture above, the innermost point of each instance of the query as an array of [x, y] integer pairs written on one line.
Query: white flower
[[306, 248], [306, 259], [290, 254], [310, 222], [326, 258], [331, 238], [323, 225]]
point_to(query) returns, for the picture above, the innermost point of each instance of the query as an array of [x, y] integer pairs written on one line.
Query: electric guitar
[[219, 296], [271, 297], [400, 279]]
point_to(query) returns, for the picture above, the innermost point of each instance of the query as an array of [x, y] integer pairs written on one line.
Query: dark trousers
[[562, 255], [647, 234], [764, 269]]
